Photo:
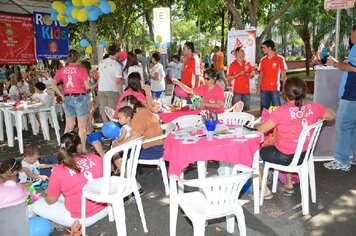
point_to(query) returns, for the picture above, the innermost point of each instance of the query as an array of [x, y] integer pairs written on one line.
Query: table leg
[[44, 125], [55, 124], [1, 126], [201, 169], [256, 182], [33, 122], [18, 118], [9, 129]]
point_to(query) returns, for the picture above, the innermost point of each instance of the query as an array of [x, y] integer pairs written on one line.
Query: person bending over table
[[212, 93], [289, 120], [62, 203]]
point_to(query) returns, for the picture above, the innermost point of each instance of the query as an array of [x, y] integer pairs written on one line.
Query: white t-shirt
[[135, 68], [14, 91], [34, 169], [158, 85], [43, 98], [128, 129], [176, 69], [109, 71]]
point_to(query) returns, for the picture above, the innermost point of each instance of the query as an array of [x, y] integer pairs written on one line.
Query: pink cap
[[122, 55]]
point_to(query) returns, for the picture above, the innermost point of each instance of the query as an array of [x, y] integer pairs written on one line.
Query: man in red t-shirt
[[240, 71], [191, 66], [272, 68]]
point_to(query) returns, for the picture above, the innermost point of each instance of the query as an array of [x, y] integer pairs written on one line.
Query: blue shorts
[[151, 153], [75, 106]]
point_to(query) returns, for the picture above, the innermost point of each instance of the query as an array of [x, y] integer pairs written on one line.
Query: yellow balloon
[[66, 19], [82, 15], [113, 6], [60, 7], [77, 3], [89, 49], [60, 17], [159, 38], [75, 12], [88, 3]]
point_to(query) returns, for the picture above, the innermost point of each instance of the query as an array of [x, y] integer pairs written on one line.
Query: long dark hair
[[134, 82], [133, 101], [68, 150], [10, 164], [131, 60], [295, 89]]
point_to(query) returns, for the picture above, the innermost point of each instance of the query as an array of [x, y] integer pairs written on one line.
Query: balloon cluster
[[75, 11], [84, 43]]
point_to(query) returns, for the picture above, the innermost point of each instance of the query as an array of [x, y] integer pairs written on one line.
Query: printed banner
[[246, 38], [338, 4], [17, 41], [52, 39], [162, 28]]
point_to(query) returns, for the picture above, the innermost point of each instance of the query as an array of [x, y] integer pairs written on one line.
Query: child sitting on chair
[[30, 169], [9, 169], [41, 95], [125, 114]]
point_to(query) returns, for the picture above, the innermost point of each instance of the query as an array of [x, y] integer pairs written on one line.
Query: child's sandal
[[75, 229]]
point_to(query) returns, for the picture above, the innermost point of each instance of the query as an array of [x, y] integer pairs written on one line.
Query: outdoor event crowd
[[132, 86]]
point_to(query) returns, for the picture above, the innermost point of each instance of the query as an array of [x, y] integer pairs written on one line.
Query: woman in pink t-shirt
[[62, 203], [75, 100], [289, 120], [211, 92]]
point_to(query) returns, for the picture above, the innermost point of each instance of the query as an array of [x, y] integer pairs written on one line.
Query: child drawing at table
[[9, 169], [125, 114], [41, 95], [30, 169]]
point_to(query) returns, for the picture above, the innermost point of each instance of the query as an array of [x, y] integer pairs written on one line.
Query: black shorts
[[273, 155]]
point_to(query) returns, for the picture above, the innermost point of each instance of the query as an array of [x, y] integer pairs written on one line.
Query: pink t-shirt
[[140, 97], [73, 77], [290, 122], [70, 184], [214, 95]]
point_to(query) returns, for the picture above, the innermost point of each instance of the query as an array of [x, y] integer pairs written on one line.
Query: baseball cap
[[122, 55]]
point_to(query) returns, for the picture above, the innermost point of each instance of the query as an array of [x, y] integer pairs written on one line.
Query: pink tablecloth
[[169, 116], [234, 150]]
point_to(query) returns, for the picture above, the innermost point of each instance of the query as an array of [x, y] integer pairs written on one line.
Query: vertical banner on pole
[[52, 39], [246, 38], [17, 43], [338, 4], [162, 28]]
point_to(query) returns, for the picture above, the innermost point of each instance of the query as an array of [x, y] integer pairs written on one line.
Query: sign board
[[17, 41], [52, 39], [338, 4], [162, 28], [247, 38]]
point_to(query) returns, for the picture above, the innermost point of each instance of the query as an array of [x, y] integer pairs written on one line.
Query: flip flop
[[268, 197], [287, 191]]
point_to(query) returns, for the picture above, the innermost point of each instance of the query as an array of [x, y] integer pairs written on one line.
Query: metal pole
[[337, 33], [94, 55]]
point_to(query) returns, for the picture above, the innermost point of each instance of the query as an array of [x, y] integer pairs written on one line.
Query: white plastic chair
[[187, 121], [305, 170], [228, 99], [168, 128], [113, 189], [218, 197], [110, 113], [237, 107], [235, 118]]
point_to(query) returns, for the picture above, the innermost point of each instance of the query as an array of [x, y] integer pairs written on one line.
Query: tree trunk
[[237, 16], [305, 36], [150, 25], [222, 14]]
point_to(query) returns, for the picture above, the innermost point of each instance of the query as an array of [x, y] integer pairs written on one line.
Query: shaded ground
[[333, 214]]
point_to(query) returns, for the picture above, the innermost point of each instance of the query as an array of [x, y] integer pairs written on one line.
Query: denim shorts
[[75, 106]]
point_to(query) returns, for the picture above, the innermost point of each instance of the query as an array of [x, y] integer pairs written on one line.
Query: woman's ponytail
[[69, 143]]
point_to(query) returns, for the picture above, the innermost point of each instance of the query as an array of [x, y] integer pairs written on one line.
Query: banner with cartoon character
[[52, 38], [17, 42]]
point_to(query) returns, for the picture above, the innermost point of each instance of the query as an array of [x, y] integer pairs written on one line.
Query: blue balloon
[[110, 130], [54, 16], [68, 3], [90, 8], [105, 7], [168, 44], [100, 12], [72, 20], [156, 44], [39, 226], [103, 44], [95, 136], [53, 11], [93, 15], [83, 43], [69, 11]]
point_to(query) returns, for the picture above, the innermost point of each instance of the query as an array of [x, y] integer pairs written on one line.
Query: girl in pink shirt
[[211, 92], [62, 203], [289, 120]]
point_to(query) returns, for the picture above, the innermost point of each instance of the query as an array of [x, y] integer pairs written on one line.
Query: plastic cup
[[210, 125], [238, 131]]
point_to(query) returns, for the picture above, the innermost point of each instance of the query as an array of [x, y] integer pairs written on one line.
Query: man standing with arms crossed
[[110, 81], [346, 114], [272, 68], [191, 66]]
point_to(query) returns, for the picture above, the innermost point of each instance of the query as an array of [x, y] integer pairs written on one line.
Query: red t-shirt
[[73, 77], [214, 95], [70, 184], [290, 122], [191, 68], [271, 69], [242, 82]]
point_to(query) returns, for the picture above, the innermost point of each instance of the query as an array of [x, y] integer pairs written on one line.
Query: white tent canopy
[[25, 6]]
